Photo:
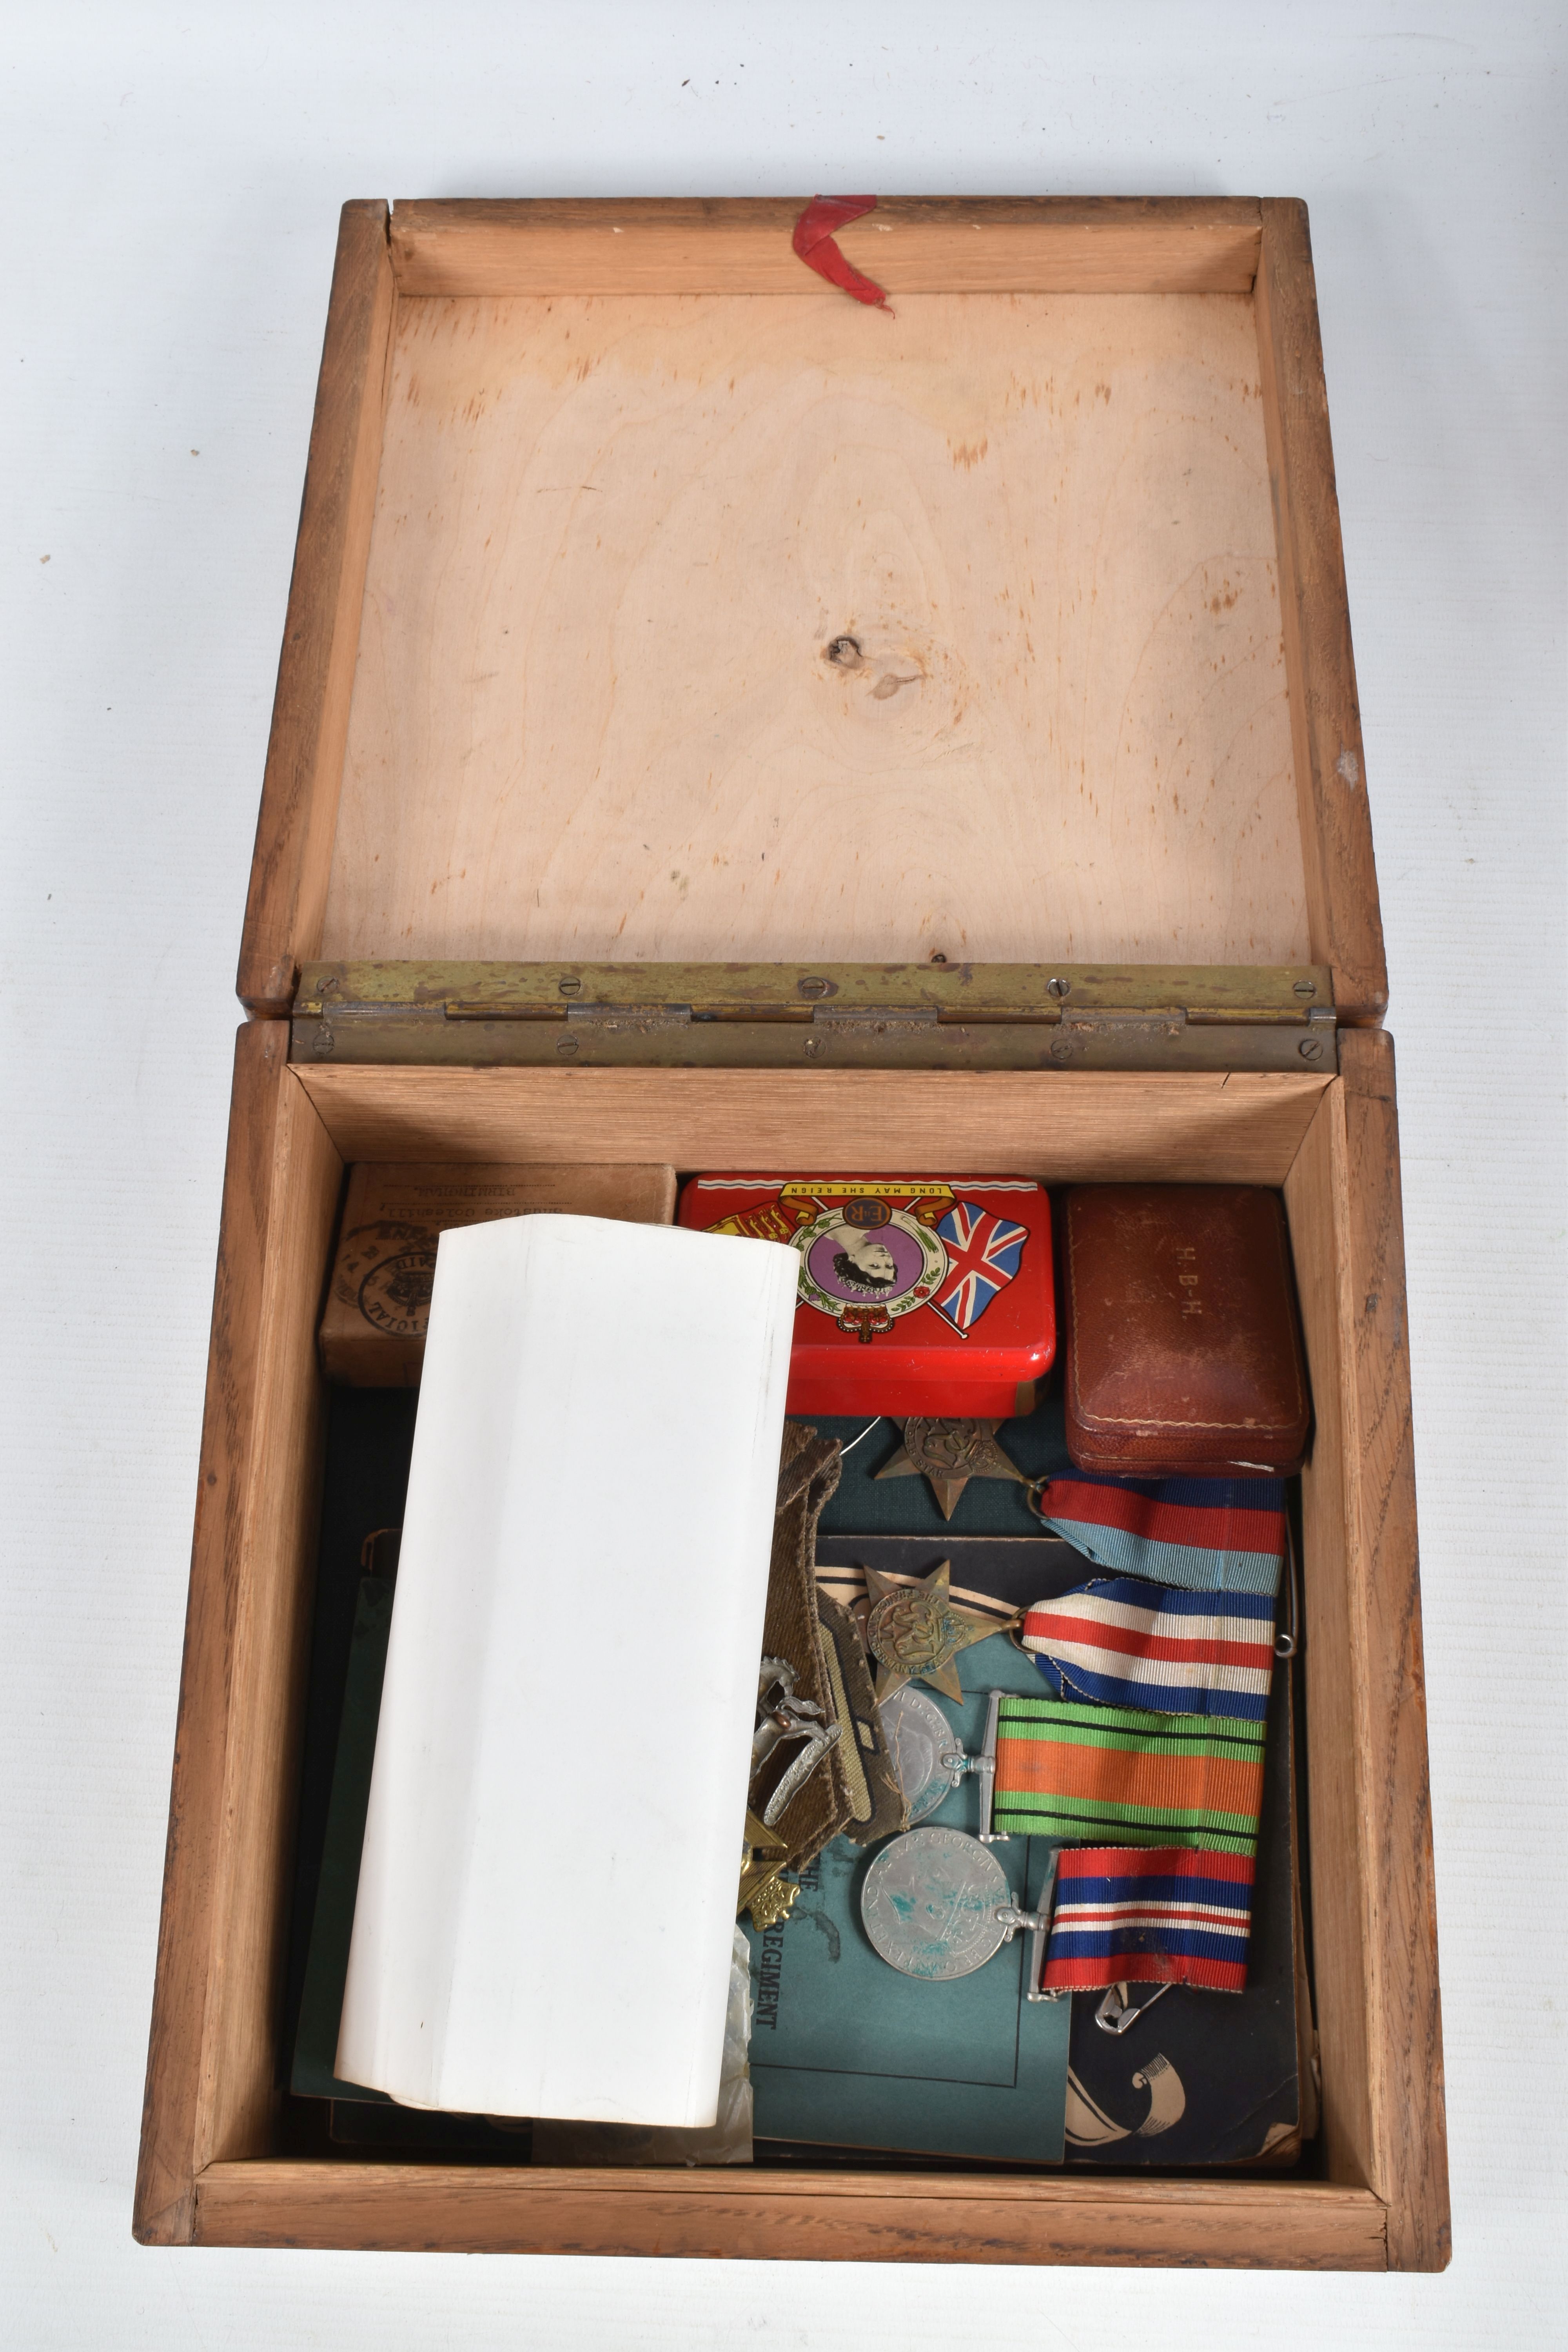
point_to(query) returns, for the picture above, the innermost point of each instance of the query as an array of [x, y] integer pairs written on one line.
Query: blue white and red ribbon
[[1207, 1535], [1124, 1641], [1156, 1915]]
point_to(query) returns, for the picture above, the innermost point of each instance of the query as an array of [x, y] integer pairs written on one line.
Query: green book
[[331, 1927], [848, 2051]]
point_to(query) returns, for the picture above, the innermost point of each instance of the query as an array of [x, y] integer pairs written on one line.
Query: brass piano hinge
[[848, 1016]]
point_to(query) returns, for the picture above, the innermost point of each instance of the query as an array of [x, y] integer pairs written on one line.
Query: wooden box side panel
[[211, 2058], [1318, 1214], [916, 245], [828, 2217], [1374, 1924], [1343, 912], [1409, 2096], [1065, 1126], [297, 820]]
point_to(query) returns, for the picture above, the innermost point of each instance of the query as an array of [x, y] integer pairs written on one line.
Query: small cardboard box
[[378, 1299]]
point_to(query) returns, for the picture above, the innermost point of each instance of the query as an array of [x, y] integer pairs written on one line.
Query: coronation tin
[[918, 1295]]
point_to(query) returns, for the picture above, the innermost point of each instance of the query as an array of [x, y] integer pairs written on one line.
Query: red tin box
[[926, 1295]]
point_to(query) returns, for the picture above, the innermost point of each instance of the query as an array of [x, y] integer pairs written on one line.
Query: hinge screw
[[1058, 988], [567, 1047], [1306, 987], [1061, 1049], [1310, 1049], [813, 987], [570, 987]]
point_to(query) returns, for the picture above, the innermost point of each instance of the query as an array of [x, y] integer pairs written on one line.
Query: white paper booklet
[[547, 1897]]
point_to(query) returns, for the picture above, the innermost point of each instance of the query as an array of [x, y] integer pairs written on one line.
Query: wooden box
[[723, 725]]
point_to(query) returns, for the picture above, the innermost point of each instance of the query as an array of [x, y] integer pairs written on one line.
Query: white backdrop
[[173, 178]]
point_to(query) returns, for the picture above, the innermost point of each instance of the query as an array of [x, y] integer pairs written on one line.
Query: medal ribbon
[[1124, 1641], [1132, 1915], [1075, 1772], [1209, 1535]]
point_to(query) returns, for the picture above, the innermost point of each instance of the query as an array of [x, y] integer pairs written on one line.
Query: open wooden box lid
[[686, 662]]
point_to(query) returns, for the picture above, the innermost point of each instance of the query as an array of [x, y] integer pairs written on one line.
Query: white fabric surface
[[173, 177]]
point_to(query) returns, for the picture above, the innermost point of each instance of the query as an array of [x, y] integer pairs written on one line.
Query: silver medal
[[918, 1735], [931, 1903]]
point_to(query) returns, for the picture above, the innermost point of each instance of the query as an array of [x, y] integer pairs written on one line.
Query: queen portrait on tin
[[864, 1262]]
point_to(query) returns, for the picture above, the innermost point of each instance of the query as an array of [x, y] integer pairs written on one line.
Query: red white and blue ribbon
[[984, 1254], [1124, 1641], [1154, 1915], [1207, 1535]]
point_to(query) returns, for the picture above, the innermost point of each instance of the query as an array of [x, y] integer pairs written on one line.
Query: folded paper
[[1124, 1641], [495, 1936]]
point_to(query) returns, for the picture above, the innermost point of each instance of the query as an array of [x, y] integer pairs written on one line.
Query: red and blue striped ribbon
[[1157, 1914], [1206, 1535]]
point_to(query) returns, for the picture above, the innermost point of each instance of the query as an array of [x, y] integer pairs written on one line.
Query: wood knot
[[844, 653]]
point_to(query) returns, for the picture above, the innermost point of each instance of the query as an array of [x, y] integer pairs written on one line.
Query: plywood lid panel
[[726, 626]]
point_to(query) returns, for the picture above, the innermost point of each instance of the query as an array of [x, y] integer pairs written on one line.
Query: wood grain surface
[[945, 245], [1373, 1909], [1065, 1126], [211, 2059], [321, 633], [1319, 1213], [727, 626], [824, 2217], [1407, 2032], [1346, 920]]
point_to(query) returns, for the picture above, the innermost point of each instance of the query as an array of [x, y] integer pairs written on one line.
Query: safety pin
[[1287, 1644], [1114, 2015]]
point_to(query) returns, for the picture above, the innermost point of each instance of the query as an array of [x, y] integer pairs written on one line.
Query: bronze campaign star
[[915, 1633], [949, 1454]]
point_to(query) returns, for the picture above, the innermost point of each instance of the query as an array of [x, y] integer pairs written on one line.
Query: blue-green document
[[849, 2053]]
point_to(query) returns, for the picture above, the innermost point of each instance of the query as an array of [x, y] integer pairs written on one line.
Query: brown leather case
[[1184, 1353]]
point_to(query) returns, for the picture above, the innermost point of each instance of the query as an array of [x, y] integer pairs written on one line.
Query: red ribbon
[[813, 241]]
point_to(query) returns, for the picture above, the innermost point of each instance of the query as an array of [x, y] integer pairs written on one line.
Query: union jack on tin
[[984, 1254]]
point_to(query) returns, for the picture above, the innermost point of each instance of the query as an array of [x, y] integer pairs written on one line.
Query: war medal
[[918, 1737], [949, 1454], [914, 1633], [937, 1905]]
